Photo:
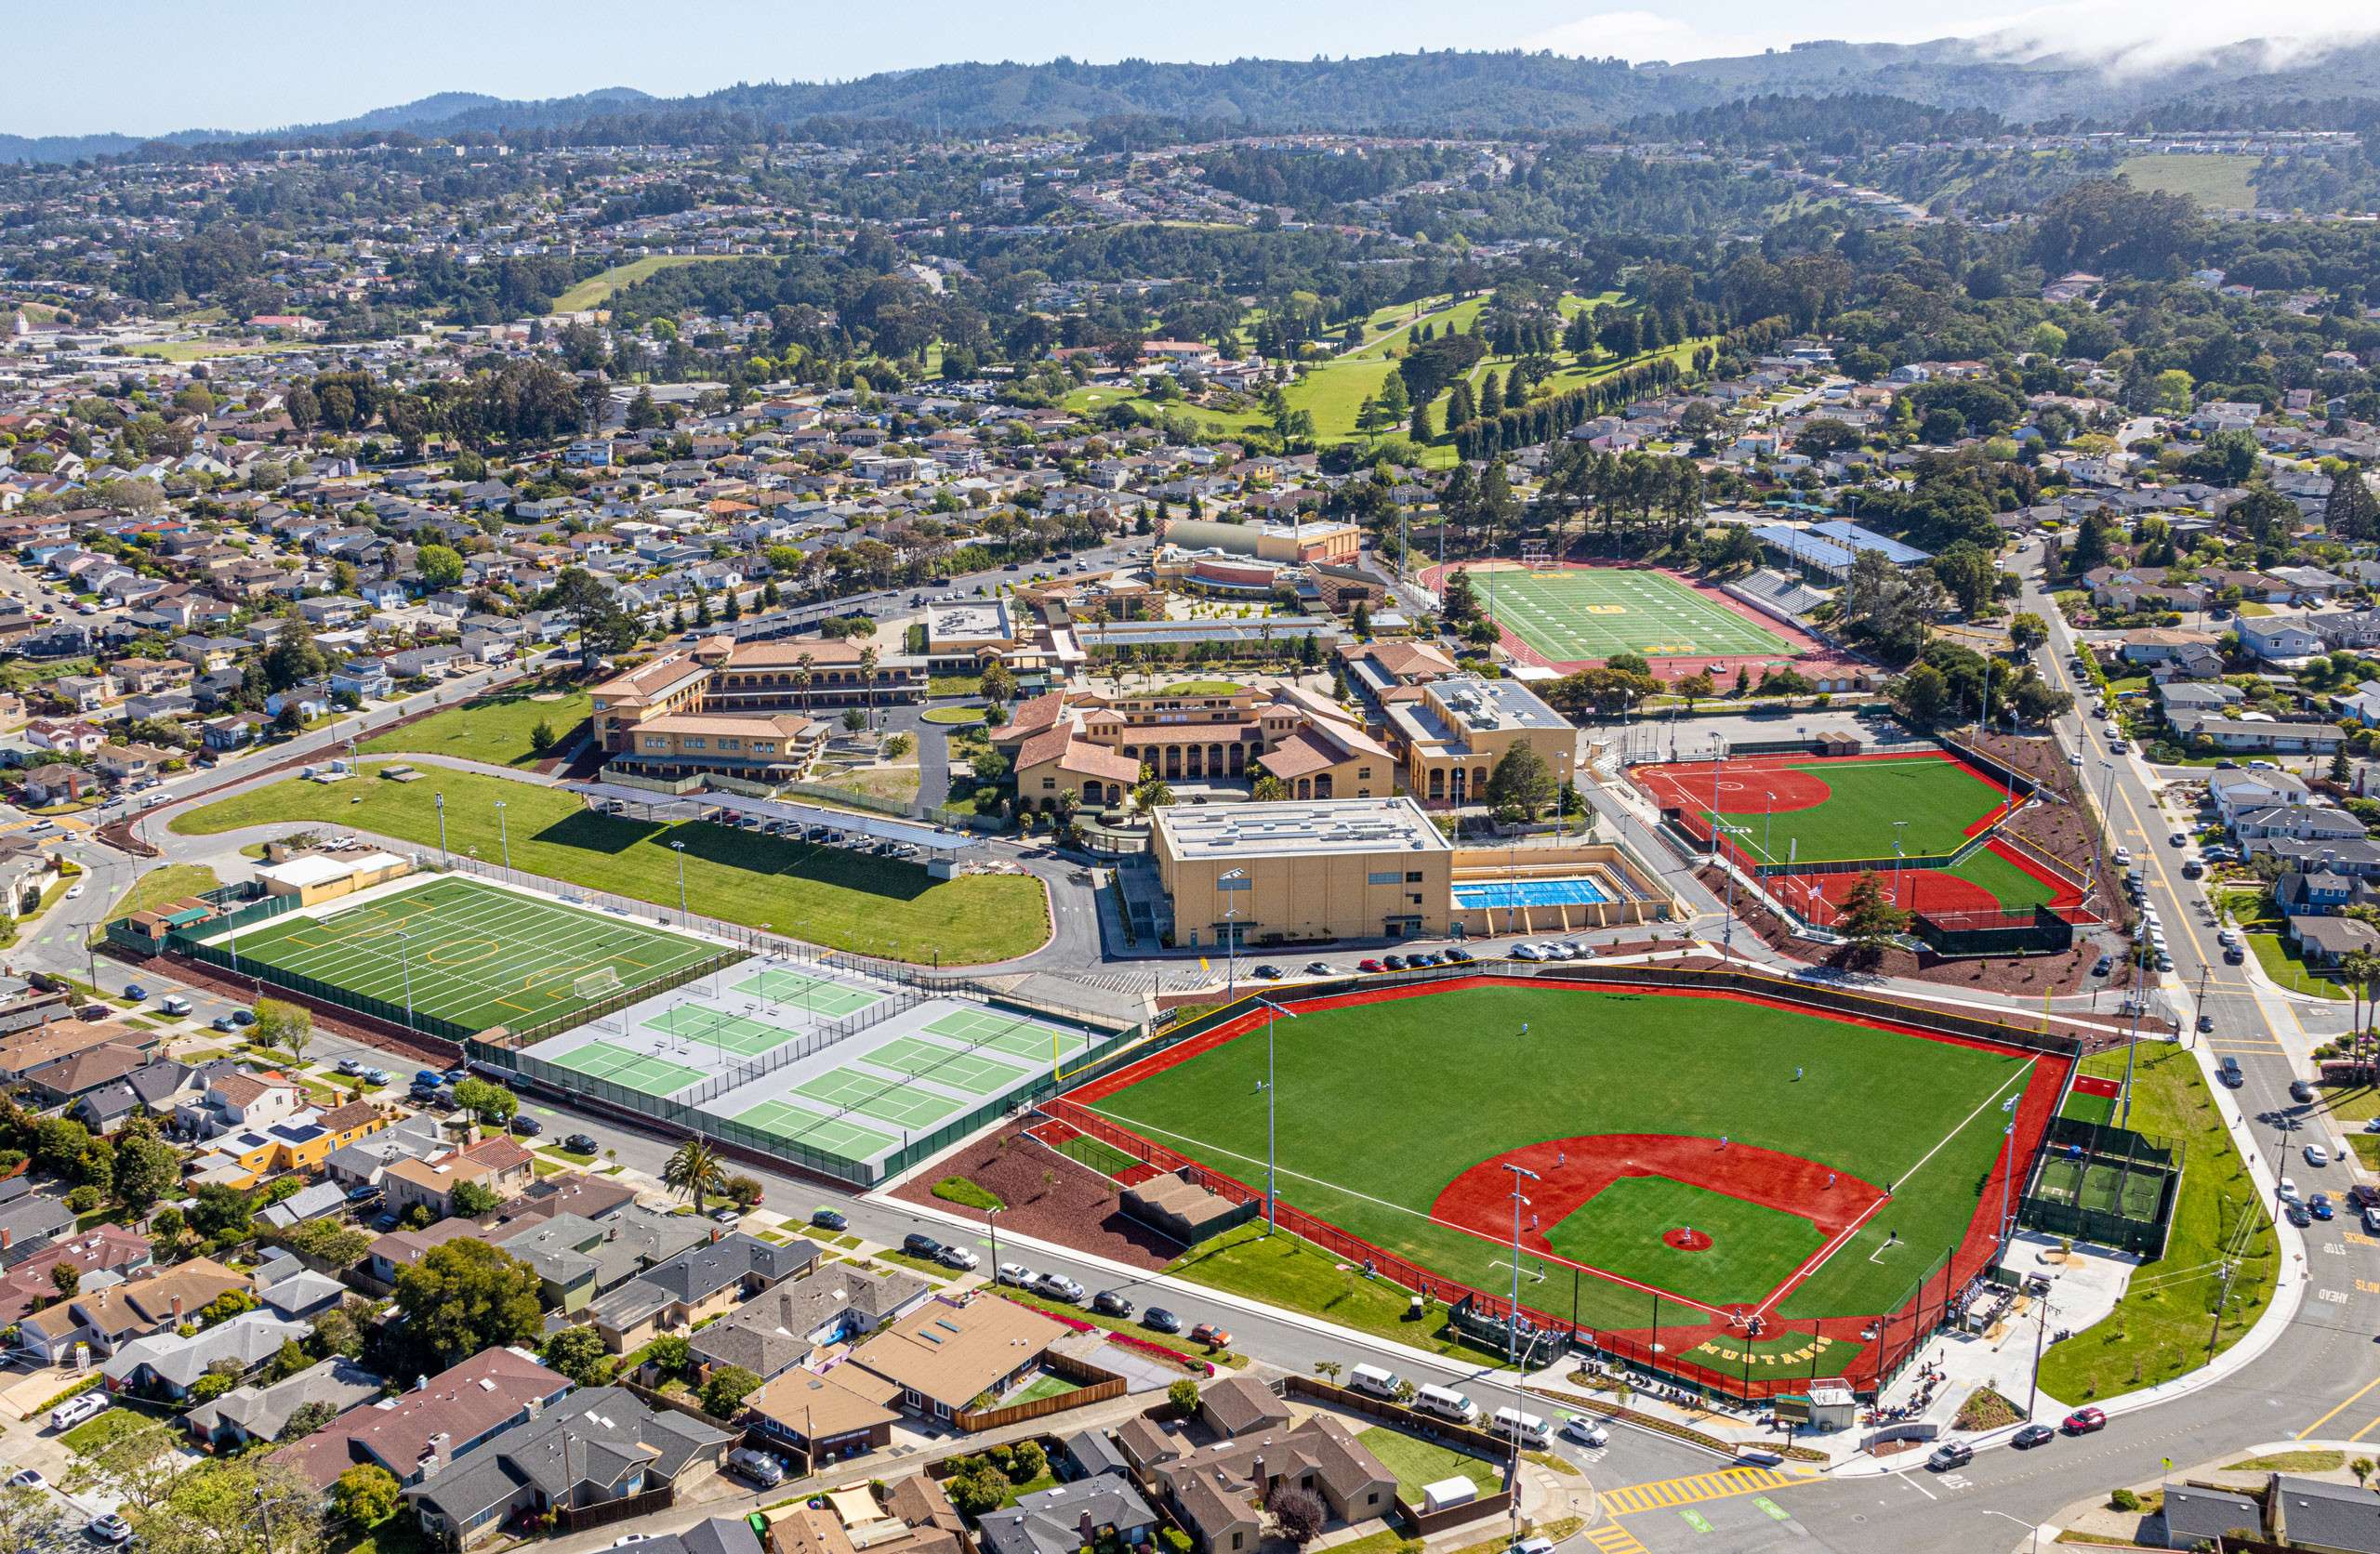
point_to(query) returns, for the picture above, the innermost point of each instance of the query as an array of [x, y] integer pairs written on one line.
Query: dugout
[[2107, 1185], [1953, 935]]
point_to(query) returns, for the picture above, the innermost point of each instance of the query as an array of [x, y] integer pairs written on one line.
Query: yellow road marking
[[1660, 1494], [1612, 1538], [2340, 1409]]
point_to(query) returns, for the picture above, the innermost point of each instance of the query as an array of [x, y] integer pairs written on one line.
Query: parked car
[[108, 1527], [2031, 1436], [346, 1065], [366, 1195], [1058, 1287], [74, 1411], [1950, 1454], [960, 1257], [376, 1076], [1368, 966], [1157, 1318], [526, 1126], [135, 991], [1016, 1273], [828, 1219], [2105, 964], [1108, 1303], [756, 1467], [1319, 968], [1268, 973], [222, 1023], [1207, 1332], [1393, 962], [919, 1245], [1586, 1431], [2082, 1421], [1525, 952], [1458, 955], [582, 1143]]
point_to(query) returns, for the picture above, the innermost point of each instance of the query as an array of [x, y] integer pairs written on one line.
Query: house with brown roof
[[912, 1516], [1218, 1492], [70, 1079], [947, 1353], [22, 1051], [840, 1412], [103, 1255], [428, 1426], [109, 1318]]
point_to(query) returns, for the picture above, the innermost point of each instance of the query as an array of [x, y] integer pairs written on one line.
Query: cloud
[[2117, 34]]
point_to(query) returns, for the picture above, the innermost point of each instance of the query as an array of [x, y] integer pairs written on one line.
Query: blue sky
[[149, 66]]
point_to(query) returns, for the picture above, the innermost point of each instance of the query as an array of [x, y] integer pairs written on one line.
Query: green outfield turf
[[2010, 886], [1940, 799], [1619, 1230], [1576, 615], [1382, 1106], [469, 952]]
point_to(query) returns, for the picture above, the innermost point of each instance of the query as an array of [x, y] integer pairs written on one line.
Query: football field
[[469, 952], [1583, 615]]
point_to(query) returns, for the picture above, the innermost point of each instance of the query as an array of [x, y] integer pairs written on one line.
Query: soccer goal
[[594, 984]]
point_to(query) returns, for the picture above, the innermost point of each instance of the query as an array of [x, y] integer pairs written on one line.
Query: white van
[[1378, 1382], [1521, 1429], [1447, 1404]]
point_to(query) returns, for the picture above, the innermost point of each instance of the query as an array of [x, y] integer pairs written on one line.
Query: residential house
[[108, 1318], [594, 1447], [947, 1353], [29, 1223], [239, 1100], [167, 1365], [1218, 1492], [795, 1322], [2326, 941], [251, 1415], [2248, 789], [1098, 1512], [691, 1287], [439, 1419], [104, 1254], [842, 1411]]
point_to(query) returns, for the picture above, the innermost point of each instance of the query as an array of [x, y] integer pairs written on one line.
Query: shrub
[[84, 1199], [2125, 1500]]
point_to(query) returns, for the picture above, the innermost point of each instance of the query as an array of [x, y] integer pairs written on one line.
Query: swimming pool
[[1528, 892]]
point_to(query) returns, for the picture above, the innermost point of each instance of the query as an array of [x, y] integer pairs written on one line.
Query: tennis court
[[815, 994], [826, 1135], [1585, 614], [469, 952], [745, 1038], [960, 1071], [884, 1100], [635, 1071], [1013, 1035]]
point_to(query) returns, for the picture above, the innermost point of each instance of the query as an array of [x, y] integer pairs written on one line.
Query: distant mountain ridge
[[1430, 93]]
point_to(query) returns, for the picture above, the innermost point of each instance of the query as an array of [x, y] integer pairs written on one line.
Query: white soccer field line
[[467, 921], [1553, 608]]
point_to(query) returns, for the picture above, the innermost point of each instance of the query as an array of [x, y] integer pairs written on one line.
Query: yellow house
[[301, 1141]]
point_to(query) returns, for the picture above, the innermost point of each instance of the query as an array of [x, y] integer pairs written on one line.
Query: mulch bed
[[1049, 1197]]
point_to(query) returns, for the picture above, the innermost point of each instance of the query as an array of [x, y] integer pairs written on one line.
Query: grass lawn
[[93, 1433], [2011, 886], [953, 714], [1044, 1386], [2217, 182], [1199, 688], [917, 1266], [1542, 1063], [2157, 1330], [1419, 1464], [1288, 1272], [896, 784], [2288, 969], [595, 290], [491, 729], [826, 895], [158, 886], [1941, 800], [2292, 1462]]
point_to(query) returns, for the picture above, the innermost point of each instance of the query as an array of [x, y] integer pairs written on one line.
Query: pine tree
[[1491, 397], [1419, 428], [1461, 409], [2350, 513]]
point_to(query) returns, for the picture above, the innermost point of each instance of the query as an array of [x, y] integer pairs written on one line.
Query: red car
[[2082, 1421], [1207, 1332], [1368, 965]]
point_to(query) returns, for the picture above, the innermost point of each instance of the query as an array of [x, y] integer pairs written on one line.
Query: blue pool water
[[1528, 892]]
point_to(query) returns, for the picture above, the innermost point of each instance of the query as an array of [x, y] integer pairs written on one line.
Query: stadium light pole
[[404, 957], [503, 836], [1512, 1318], [2008, 1168], [1271, 1174], [442, 853], [1232, 882], [1900, 829], [992, 1227]]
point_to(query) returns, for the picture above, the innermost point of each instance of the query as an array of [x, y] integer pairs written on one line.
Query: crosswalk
[[1660, 1494], [1612, 1538]]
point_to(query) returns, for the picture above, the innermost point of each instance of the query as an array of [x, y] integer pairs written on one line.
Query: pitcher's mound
[[1685, 1239]]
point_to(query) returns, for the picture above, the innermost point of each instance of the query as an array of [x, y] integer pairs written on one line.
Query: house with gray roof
[[2194, 1518], [360, 1164], [251, 1415], [154, 1088], [839, 1304], [593, 1447], [1070, 1516], [167, 1365], [703, 1281], [578, 1258], [288, 1288], [2308, 1513], [312, 1202]]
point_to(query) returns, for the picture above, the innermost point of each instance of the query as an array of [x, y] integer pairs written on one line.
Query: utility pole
[[2041, 1335]]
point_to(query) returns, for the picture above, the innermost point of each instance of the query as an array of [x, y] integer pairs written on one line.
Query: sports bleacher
[[1790, 596], [1830, 547], [1853, 537]]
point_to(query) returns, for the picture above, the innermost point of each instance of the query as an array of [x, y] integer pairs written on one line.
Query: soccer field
[[1823, 811], [469, 952], [1578, 614], [1641, 1113]]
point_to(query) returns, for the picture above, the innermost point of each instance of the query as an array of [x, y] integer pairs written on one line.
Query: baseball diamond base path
[[1815, 810]]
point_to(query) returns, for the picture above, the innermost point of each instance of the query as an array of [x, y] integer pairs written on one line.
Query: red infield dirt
[[1686, 1238], [1570, 1171], [1739, 787], [1929, 891]]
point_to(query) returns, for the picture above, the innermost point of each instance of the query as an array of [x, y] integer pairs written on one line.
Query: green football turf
[[471, 953], [1574, 614], [1382, 1106], [1620, 1230], [1939, 798]]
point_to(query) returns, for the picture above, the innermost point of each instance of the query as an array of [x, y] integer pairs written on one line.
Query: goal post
[[594, 984], [1537, 556]]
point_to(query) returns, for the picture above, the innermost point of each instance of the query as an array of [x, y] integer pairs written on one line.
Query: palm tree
[[868, 673], [805, 669], [693, 1171]]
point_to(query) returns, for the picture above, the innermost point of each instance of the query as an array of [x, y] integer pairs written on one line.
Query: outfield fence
[[1890, 1339]]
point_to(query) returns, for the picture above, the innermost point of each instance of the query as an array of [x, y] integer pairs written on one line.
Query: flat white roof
[[1299, 828], [321, 868]]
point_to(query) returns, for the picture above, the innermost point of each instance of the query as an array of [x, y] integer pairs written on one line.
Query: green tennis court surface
[[815, 994], [1006, 1033], [634, 1071], [732, 1032], [461, 951], [852, 1090], [961, 1071], [832, 1136], [1576, 615]]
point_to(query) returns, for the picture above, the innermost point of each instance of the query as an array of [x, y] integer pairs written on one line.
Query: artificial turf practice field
[[473, 953], [1675, 1148], [1585, 614], [1825, 809]]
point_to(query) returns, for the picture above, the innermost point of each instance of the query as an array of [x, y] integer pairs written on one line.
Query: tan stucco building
[[1453, 730], [1349, 868]]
